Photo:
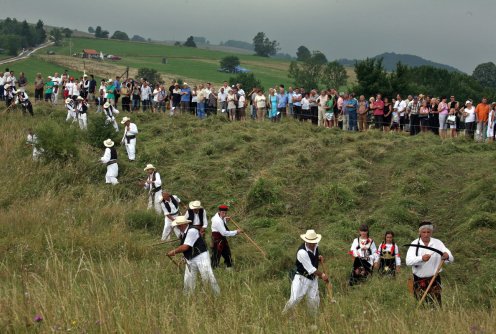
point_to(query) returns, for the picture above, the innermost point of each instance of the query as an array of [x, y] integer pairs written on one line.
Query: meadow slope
[[79, 253]]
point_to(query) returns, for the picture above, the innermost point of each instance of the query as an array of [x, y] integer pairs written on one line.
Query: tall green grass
[[81, 253]]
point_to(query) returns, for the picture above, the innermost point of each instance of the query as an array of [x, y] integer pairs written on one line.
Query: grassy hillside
[[80, 254], [197, 64]]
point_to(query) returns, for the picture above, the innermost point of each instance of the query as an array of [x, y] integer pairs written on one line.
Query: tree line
[[15, 35]]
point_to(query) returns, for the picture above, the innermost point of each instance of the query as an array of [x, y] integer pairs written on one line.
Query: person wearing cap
[[363, 250], [424, 256], [129, 138], [71, 110], [305, 282], [469, 114], [110, 159], [23, 99], [153, 184], [110, 112], [198, 216], [110, 90], [220, 233], [195, 252], [170, 208], [81, 112]]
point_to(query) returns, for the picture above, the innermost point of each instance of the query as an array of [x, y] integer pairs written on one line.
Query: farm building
[[90, 53]]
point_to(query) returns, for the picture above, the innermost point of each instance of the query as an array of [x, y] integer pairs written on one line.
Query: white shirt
[[133, 130], [305, 104], [241, 92], [304, 259], [70, 88], [261, 101], [173, 209], [241, 101], [145, 93], [400, 106], [157, 183], [296, 99], [363, 250], [218, 226], [106, 156], [426, 269], [155, 95], [70, 107], [192, 236], [2, 81], [195, 220], [471, 115], [222, 96], [388, 248]]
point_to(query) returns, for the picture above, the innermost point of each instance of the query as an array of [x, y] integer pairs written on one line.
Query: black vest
[[198, 248], [313, 258], [113, 153], [191, 215], [167, 205]]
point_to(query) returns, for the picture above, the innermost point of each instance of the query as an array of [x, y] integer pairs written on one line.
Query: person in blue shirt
[[117, 85], [282, 102], [185, 98], [351, 107]]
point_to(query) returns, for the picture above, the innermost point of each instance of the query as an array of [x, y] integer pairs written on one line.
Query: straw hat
[[106, 105], [108, 143], [110, 81], [180, 220], [6, 86], [68, 100], [80, 98], [311, 237], [195, 205], [149, 166], [125, 119]]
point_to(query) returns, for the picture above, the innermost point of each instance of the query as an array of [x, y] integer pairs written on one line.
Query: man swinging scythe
[[426, 256]]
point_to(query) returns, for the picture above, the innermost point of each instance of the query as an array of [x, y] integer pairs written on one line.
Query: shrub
[[58, 141], [143, 220], [263, 192], [99, 130]]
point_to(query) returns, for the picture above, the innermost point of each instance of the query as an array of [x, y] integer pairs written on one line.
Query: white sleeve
[[205, 219], [218, 225], [133, 130], [411, 258], [444, 249], [353, 249], [191, 237], [177, 199], [304, 259], [106, 156], [158, 180]]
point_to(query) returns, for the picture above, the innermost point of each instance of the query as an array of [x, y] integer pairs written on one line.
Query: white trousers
[[300, 288], [131, 148], [154, 202], [83, 121], [112, 121], [168, 229], [321, 116], [112, 173], [70, 115], [199, 264]]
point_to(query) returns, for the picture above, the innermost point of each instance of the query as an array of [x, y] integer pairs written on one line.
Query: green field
[[199, 64], [79, 253]]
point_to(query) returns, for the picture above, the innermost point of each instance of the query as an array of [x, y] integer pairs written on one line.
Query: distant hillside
[[390, 59]]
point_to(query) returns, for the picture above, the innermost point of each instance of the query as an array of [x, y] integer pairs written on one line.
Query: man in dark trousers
[[220, 232]]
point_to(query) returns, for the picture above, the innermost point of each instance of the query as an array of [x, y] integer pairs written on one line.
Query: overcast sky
[[453, 32]]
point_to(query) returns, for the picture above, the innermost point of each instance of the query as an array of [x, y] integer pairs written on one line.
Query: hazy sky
[[454, 32]]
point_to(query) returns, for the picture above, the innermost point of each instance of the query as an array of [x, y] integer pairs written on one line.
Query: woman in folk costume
[[388, 259], [110, 113], [110, 159], [364, 251], [305, 281]]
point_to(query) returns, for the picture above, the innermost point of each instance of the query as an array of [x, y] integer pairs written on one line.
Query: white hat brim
[[315, 241]]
